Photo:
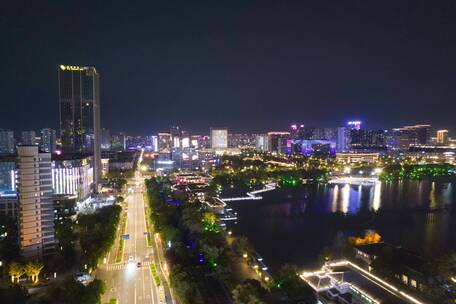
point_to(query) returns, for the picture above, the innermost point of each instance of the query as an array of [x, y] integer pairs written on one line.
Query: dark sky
[[247, 65]]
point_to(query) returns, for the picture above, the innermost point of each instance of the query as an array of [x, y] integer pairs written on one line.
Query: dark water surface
[[285, 228]]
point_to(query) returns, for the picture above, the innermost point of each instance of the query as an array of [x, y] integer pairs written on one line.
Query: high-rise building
[[79, 101], [48, 140], [28, 138], [7, 144], [362, 139], [442, 137], [219, 138], [36, 213]]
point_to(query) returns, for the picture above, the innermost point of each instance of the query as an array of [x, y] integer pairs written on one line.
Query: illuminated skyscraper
[[79, 101], [442, 137]]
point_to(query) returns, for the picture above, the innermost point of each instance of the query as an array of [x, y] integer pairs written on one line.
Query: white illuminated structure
[[73, 177]]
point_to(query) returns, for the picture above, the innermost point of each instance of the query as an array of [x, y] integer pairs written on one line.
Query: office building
[[48, 140], [372, 140], [7, 143], [79, 101], [28, 138], [442, 137], [219, 138], [36, 213]]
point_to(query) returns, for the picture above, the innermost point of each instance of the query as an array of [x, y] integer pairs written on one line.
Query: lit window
[[413, 283], [404, 279]]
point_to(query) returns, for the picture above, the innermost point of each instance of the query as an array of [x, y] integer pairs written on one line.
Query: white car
[[130, 259]]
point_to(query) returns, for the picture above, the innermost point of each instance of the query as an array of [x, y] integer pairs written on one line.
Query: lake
[[293, 227]]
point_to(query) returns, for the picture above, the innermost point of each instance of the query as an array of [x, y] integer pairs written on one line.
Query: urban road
[[131, 280]]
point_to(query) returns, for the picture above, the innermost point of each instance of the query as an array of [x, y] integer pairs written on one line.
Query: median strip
[[120, 249], [153, 271]]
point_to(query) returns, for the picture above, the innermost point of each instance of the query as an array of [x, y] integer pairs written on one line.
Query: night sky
[[246, 65]]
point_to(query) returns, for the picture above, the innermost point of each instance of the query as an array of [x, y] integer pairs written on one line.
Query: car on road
[[138, 264], [130, 259]]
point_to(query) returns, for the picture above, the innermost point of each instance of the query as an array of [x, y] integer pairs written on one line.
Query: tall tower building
[[7, 144], [442, 137], [48, 140], [36, 213], [79, 104]]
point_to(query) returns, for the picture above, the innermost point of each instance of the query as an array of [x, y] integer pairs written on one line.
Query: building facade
[[72, 176], [79, 101], [36, 213], [442, 137]]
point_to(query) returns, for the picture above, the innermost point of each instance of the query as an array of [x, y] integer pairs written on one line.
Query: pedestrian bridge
[[252, 195]]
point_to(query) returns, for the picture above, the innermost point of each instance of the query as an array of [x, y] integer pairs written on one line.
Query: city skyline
[[301, 62]]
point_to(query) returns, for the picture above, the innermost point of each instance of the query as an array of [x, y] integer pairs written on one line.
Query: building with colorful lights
[[73, 175]]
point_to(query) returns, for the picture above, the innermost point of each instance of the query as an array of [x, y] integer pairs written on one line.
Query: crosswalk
[[120, 266]]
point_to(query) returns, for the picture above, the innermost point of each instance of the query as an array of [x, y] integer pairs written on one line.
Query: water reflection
[[410, 194], [415, 215]]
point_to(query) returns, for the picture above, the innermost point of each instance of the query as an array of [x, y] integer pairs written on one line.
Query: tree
[[241, 246], [29, 271], [296, 288], [15, 271], [184, 285], [36, 268], [248, 292]]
